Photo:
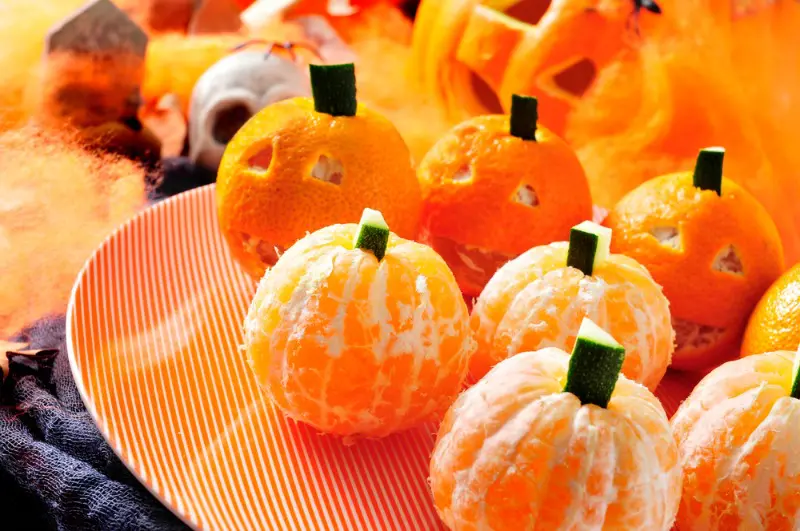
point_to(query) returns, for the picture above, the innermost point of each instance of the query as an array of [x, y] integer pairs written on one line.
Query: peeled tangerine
[[549, 442], [713, 248], [495, 186], [356, 331], [539, 299], [738, 434]]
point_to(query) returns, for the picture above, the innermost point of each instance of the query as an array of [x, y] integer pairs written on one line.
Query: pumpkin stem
[[595, 365], [708, 170], [373, 233], [589, 245], [524, 115], [334, 89], [796, 376]]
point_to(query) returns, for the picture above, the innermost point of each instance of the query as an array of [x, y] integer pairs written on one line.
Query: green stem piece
[[334, 89], [595, 365], [524, 115], [589, 245], [796, 376], [708, 170], [373, 233]]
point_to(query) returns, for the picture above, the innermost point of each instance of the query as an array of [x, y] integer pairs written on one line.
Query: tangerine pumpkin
[[557, 442], [738, 434], [713, 248], [359, 332], [302, 164], [539, 299], [495, 186]]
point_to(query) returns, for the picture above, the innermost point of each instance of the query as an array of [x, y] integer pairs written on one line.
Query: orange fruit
[[738, 434], [775, 323], [353, 345], [516, 451], [490, 195], [537, 301], [714, 254], [292, 169]]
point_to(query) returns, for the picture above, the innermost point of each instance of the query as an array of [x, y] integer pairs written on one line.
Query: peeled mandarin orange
[[715, 250], [495, 186], [548, 441], [738, 434], [537, 301], [363, 338], [302, 164], [775, 323]]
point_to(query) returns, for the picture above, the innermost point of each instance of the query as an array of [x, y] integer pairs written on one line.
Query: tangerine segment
[[351, 345], [536, 301], [737, 433], [515, 452]]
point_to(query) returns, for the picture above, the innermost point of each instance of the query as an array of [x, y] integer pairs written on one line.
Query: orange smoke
[[380, 38], [59, 203]]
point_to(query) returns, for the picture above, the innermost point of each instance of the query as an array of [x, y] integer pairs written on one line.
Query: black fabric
[[56, 470]]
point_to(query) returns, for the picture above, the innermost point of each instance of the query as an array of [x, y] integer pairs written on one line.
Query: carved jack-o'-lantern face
[[231, 92], [475, 54]]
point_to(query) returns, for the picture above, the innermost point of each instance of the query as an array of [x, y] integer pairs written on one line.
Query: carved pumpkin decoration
[[302, 164], [233, 90], [495, 186], [636, 93], [712, 247]]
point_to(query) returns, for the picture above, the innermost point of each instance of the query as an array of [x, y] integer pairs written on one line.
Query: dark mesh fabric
[[56, 470]]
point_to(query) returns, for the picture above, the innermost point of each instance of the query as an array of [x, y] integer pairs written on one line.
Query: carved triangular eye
[[728, 261], [261, 160], [526, 195], [328, 169], [668, 237], [463, 175]]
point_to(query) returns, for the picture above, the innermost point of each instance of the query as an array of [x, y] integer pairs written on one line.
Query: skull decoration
[[233, 90]]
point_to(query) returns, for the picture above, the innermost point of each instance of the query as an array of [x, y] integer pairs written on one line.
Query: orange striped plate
[[153, 331]]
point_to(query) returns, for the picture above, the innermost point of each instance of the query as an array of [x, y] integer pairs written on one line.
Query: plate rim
[[70, 331]]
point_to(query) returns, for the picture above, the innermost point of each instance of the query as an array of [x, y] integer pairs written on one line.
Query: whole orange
[[738, 434], [359, 342], [714, 251], [775, 323], [537, 301], [293, 168], [519, 451], [490, 194]]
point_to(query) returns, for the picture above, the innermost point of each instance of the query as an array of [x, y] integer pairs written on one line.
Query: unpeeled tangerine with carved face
[[539, 299], [711, 245], [302, 164], [353, 345], [549, 441], [495, 186]]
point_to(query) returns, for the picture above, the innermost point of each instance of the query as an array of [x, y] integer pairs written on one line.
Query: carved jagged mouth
[[267, 252], [689, 334], [473, 266]]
